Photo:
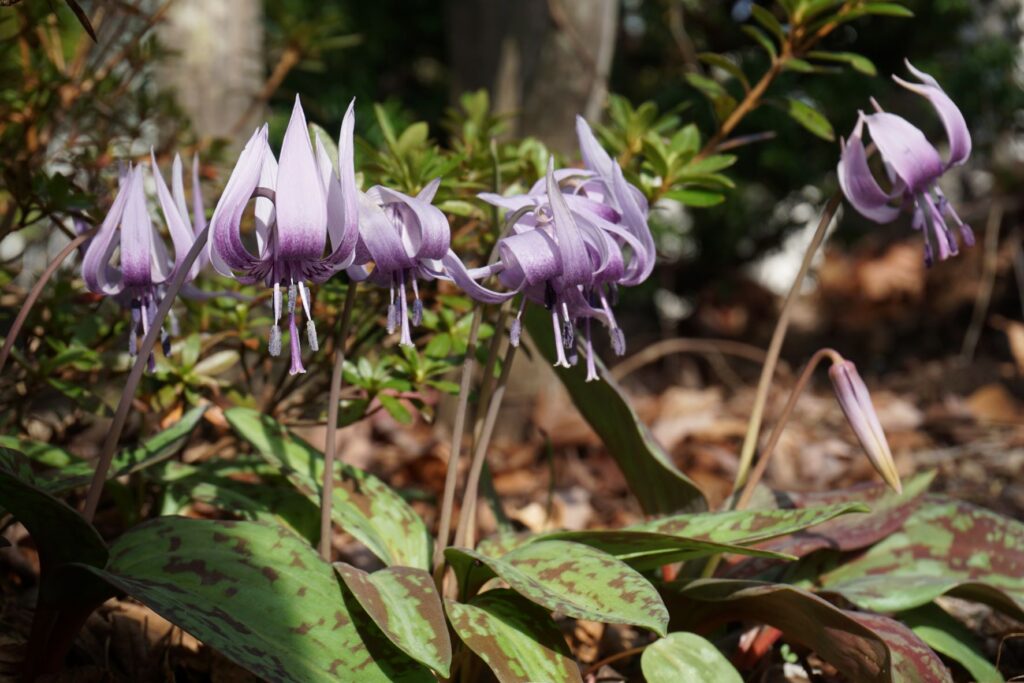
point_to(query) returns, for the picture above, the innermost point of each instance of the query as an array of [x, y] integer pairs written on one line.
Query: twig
[[990, 265], [631, 652], [331, 447], [124, 405], [775, 347], [289, 58], [667, 347], [36, 292]]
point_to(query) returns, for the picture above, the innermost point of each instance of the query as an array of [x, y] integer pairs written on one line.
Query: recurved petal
[[634, 219], [510, 203], [175, 213], [467, 280], [906, 149], [426, 231], [97, 272], [198, 213], [300, 199], [529, 258], [339, 258], [380, 238], [264, 211], [576, 267], [344, 240], [859, 184], [594, 156], [226, 249], [136, 236], [958, 134]]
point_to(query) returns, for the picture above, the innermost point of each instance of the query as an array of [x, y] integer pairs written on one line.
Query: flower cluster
[[574, 238]]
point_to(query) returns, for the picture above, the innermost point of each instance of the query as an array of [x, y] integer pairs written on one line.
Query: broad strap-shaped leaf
[[746, 527], [364, 506], [61, 534], [258, 594], [946, 546], [686, 657], [644, 550], [803, 617], [948, 636], [577, 581], [405, 605], [515, 638], [912, 660], [889, 511], [658, 485]]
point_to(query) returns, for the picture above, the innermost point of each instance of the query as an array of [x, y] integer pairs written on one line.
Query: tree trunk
[[544, 61]]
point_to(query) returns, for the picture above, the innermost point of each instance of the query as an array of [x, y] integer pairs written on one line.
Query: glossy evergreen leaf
[[809, 117], [364, 506], [256, 593], [686, 657], [405, 605], [857, 62], [515, 638], [658, 485], [696, 198], [577, 581]]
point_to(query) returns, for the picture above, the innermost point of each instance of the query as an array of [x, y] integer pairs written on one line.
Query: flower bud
[[856, 404]]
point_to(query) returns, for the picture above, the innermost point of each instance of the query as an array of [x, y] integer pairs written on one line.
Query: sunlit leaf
[[686, 657]]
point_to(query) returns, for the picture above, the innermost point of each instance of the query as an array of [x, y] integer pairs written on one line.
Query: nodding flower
[[405, 238], [913, 166], [145, 265], [576, 236], [300, 202]]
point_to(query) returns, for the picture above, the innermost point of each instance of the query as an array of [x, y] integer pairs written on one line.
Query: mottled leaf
[[947, 636], [577, 581], [686, 657], [405, 605], [654, 480], [256, 593], [946, 546], [515, 638], [647, 550], [912, 660], [803, 617], [746, 527], [364, 506]]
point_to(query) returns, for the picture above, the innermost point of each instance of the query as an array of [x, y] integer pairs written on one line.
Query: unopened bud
[[860, 413]]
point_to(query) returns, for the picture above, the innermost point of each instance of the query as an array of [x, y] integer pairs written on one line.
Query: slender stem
[[775, 347], [467, 519], [762, 463], [487, 382], [36, 292], [452, 475], [331, 447], [92, 499], [666, 347], [631, 652]]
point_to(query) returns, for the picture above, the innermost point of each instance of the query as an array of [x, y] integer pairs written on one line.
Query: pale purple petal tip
[[300, 200]]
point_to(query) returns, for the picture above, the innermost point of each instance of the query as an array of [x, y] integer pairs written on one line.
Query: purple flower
[[300, 202], [913, 167], [145, 265], [855, 401], [405, 238], [556, 258]]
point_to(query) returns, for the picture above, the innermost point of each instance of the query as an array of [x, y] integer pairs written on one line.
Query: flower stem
[[36, 292], [331, 446], [452, 475], [124, 405], [467, 518], [775, 347], [762, 463]]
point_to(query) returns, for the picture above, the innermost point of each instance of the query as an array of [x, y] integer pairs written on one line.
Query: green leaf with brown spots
[[746, 527], [856, 651], [575, 580], [912, 660], [686, 657], [948, 636], [946, 546], [405, 605], [652, 477], [515, 638], [258, 594], [364, 506], [644, 550]]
